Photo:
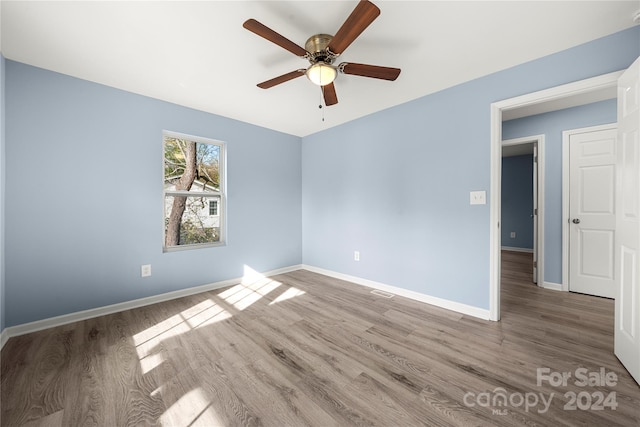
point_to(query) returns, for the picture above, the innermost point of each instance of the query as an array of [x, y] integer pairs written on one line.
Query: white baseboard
[[551, 285], [439, 302], [38, 325], [511, 249], [4, 337], [51, 322]]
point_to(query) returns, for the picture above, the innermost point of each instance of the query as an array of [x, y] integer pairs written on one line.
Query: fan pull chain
[[321, 100]]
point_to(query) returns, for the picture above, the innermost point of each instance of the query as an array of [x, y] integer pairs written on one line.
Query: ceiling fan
[[321, 50]]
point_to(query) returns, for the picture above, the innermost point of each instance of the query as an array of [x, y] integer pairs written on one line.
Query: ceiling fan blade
[[373, 71], [281, 79], [330, 96], [267, 33], [363, 15]]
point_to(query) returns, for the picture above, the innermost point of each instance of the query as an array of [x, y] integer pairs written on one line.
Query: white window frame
[[222, 198]]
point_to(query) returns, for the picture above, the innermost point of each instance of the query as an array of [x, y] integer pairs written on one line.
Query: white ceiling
[[197, 54]]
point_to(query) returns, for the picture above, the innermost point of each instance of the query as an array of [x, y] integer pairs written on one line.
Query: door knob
[[576, 220]]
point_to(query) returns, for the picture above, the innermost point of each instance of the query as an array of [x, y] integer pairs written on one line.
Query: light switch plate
[[145, 270], [478, 198]]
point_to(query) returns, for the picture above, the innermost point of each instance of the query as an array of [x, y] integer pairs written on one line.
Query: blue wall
[[84, 196], [84, 186], [395, 185], [552, 125], [517, 201]]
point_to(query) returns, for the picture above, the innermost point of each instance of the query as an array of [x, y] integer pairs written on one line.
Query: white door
[[627, 306], [592, 178]]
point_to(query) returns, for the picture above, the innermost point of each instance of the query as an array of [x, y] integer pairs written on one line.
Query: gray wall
[[552, 125], [84, 196]]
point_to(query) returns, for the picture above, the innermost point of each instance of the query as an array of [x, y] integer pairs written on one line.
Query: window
[[193, 192], [213, 207]]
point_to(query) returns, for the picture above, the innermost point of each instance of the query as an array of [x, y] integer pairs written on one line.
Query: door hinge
[[535, 264], [535, 159], [535, 211]]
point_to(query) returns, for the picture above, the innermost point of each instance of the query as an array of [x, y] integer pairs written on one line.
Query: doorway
[[553, 99], [525, 157]]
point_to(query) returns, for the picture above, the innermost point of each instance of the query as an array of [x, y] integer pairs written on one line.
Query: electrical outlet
[[478, 198], [145, 270], [513, 234], [356, 255]]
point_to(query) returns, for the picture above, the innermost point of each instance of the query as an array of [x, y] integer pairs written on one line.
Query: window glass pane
[[193, 190], [187, 220], [191, 166]]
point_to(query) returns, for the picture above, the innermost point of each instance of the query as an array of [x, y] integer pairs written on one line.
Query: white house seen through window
[[193, 191]]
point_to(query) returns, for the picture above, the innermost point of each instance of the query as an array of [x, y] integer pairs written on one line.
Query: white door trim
[[565, 195], [558, 92], [539, 140]]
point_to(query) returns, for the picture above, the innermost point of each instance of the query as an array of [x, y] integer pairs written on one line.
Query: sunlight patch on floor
[[288, 294], [252, 288], [197, 309], [212, 315], [204, 313], [240, 297], [151, 362], [147, 340], [192, 409]]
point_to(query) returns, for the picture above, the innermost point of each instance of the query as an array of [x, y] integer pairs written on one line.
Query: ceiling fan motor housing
[[317, 45]]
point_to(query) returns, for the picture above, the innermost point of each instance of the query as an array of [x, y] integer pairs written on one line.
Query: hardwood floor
[[301, 349]]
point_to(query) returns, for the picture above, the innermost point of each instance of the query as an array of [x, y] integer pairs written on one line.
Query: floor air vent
[[382, 293]]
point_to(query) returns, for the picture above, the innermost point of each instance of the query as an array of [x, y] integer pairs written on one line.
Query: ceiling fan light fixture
[[321, 73], [321, 50]]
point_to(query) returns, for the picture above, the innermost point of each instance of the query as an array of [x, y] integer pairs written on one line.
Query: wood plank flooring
[[302, 349]]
